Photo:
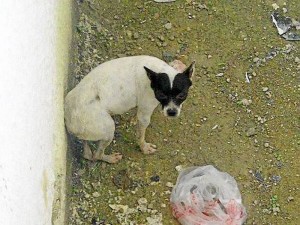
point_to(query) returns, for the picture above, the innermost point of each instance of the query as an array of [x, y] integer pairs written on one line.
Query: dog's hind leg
[[144, 117], [107, 129]]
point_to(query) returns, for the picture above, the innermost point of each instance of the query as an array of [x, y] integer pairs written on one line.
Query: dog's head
[[171, 95]]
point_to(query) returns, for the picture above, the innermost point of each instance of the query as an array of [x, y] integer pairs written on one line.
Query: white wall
[[31, 117]]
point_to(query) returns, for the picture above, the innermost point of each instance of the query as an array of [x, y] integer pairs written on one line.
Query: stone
[[251, 132], [168, 26]]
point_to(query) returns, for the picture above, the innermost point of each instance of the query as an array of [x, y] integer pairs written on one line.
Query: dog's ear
[[190, 70], [151, 74]]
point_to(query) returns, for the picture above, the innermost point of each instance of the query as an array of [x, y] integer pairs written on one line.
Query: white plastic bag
[[206, 196]]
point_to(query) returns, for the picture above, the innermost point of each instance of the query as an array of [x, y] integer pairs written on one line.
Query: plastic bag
[[206, 196]]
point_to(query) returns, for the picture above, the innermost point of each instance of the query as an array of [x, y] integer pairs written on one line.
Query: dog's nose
[[171, 112]]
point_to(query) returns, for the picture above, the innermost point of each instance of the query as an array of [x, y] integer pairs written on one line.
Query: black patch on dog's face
[[160, 83]]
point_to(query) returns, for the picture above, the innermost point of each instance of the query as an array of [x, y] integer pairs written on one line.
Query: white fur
[[113, 87]]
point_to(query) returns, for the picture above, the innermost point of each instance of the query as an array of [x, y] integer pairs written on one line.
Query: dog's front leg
[[143, 122]]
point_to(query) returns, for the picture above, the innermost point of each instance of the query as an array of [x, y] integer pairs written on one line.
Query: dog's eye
[[161, 96], [181, 96]]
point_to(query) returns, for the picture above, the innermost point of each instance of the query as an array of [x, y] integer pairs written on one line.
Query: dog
[[115, 87]]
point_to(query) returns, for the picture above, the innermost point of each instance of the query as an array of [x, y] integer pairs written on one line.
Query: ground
[[249, 129]]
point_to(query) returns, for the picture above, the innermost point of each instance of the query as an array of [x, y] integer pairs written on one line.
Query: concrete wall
[[35, 38]]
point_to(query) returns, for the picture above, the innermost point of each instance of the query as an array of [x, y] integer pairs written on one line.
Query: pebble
[[129, 33], [268, 94], [220, 75], [215, 127], [169, 184], [171, 38], [246, 102], [276, 178], [275, 6], [265, 89], [136, 35], [168, 26], [276, 210], [297, 60], [163, 205], [96, 194], [267, 145], [161, 38], [251, 132], [258, 176], [256, 59], [179, 168], [290, 198], [284, 10], [142, 201]]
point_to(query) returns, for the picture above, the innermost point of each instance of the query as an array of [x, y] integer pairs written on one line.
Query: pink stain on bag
[[206, 196]]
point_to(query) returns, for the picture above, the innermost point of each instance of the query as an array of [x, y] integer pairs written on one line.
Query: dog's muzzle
[[172, 112]]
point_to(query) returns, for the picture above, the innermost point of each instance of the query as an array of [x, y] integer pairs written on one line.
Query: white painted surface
[[27, 90]]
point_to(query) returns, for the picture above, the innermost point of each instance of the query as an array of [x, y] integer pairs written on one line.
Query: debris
[[291, 36], [284, 25], [204, 195], [257, 62]]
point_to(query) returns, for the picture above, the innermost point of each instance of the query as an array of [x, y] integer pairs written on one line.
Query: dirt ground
[[250, 130]]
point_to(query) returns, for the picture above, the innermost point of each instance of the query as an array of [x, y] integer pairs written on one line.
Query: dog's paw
[[148, 148], [113, 158]]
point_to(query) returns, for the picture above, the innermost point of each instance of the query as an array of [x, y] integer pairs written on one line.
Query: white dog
[[117, 86]]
